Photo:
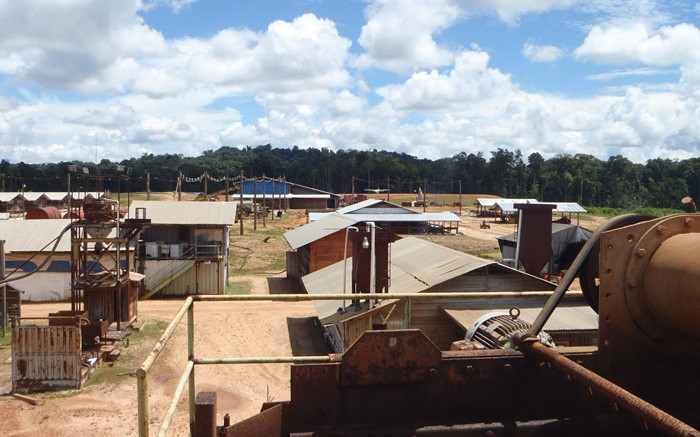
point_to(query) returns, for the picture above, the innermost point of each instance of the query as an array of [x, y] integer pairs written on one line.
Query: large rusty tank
[[641, 274]]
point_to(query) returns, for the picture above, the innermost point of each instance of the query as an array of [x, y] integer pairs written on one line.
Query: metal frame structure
[[187, 379], [98, 233]]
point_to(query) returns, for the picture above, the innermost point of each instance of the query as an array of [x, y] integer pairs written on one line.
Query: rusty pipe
[[653, 416]]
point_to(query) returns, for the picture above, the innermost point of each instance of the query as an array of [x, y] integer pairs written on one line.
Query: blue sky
[[95, 79]]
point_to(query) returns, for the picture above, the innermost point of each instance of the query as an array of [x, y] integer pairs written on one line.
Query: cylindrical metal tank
[[45, 212]]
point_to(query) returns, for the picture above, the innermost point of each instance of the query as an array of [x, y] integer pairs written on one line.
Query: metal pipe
[[265, 360], [339, 296], [372, 262], [345, 257], [190, 357], [142, 396], [142, 371], [657, 418], [158, 347], [176, 400]]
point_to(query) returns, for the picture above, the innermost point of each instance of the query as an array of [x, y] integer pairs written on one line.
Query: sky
[[114, 79]]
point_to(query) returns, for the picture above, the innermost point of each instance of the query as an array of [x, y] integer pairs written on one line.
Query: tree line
[[616, 182]]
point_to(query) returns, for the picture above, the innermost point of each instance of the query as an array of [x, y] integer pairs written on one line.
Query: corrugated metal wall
[[204, 278], [45, 358]]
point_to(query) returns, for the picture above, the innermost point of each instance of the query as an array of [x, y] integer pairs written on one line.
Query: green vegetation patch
[[239, 287]]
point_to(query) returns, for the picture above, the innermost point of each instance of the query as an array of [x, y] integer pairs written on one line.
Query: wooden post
[[255, 203], [460, 198], [179, 186], [264, 202], [227, 188], [240, 208], [205, 414], [425, 190], [206, 179], [148, 186]]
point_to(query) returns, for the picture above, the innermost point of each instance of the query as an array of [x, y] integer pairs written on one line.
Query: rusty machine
[[641, 274], [102, 245], [62, 353]]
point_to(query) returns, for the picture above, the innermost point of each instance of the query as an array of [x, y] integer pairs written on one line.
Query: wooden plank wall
[[327, 251]]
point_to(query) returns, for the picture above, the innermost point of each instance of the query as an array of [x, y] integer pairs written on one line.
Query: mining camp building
[[186, 249]]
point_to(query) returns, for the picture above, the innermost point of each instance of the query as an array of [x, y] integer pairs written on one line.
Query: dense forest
[[616, 182]]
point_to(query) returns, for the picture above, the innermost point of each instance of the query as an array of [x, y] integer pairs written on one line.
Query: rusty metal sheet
[[46, 358], [266, 423], [391, 357]]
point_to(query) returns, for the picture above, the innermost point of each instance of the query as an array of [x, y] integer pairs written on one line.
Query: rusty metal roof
[[186, 212]]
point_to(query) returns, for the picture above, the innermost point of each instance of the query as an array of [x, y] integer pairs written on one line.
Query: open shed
[[416, 266]]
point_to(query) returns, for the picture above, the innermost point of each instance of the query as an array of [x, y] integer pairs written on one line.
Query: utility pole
[[206, 179], [240, 208], [148, 186], [179, 186], [352, 198], [460, 197], [387, 188], [425, 190], [227, 188]]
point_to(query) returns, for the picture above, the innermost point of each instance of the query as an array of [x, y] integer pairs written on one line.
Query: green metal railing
[[188, 375]]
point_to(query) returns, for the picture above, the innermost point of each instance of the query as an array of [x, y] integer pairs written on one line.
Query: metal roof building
[[416, 266], [186, 248], [33, 235], [186, 213]]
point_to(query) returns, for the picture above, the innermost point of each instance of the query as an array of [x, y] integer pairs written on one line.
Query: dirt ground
[[109, 405]]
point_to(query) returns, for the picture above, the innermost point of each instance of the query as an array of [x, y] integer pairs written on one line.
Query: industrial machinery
[[102, 242], [641, 274]]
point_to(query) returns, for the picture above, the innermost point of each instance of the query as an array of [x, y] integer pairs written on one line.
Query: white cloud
[[398, 35], [614, 74], [65, 45], [469, 84], [510, 11], [616, 45], [542, 53]]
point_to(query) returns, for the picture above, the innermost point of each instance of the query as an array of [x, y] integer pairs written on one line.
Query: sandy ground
[[222, 330]]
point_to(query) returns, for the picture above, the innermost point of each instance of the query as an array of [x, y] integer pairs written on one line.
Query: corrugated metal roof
[[33, 235], [568, 316], [303, 235], [416, 265], [489, 202], [567, 207], [8, 197], [508, 205], [186, 213], [417, 217], [369, 206], [313, 231]]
